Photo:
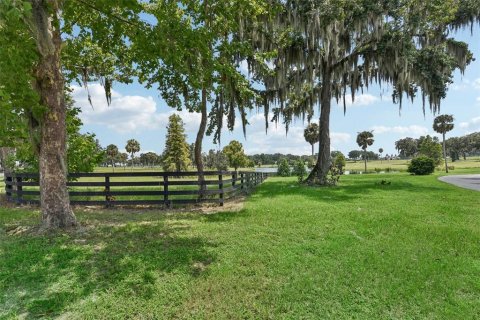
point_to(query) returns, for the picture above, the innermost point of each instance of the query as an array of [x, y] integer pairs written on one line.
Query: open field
[[401, 165], [360, 250]]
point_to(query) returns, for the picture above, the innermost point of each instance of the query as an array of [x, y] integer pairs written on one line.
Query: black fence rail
[[138, 188]]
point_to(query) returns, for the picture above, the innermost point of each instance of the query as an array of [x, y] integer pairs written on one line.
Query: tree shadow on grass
[[42, 276]]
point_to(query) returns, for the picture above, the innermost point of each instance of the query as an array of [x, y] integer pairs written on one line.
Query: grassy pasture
[[401, 165], [362, 250]]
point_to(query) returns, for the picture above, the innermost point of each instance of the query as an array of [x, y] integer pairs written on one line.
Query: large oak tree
[[327, 49]]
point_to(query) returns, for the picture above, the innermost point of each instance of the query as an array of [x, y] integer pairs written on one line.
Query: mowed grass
[[402, 165], [362, 250]]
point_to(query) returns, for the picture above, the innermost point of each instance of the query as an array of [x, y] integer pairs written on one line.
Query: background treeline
[[457, 147]]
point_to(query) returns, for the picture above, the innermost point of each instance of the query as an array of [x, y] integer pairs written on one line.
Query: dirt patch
[[16, 230], [234, 204]]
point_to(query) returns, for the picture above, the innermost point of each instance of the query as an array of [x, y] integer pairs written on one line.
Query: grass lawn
[[362, 250], [402, 165]]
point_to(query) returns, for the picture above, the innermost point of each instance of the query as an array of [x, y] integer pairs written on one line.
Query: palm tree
[[132, 147], [380, 151], [311, 135], [443, 124], [365, 139]]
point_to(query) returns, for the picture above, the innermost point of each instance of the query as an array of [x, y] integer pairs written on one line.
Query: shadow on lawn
[[42, 276]]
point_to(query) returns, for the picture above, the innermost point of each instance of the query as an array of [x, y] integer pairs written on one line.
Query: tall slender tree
[[443, 124], [176, 156], [311, 135], [201, 66], [364, 140]]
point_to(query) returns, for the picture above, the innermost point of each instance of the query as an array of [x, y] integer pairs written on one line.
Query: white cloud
[[472, 123], [476, 83], [360, 100], [126, 113], [464, 84], [413, 130]]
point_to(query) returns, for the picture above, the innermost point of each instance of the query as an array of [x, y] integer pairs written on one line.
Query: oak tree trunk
[[49, 83], [319, 173], [199, 141]]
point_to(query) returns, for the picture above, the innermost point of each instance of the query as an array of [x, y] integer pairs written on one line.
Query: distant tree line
[[272, 159], [457, 147], [356, 155]]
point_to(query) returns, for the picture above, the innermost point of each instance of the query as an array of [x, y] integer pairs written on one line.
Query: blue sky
[[141, 114]]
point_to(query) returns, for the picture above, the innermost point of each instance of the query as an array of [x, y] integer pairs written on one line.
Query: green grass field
[[362, 250], [402, 165]]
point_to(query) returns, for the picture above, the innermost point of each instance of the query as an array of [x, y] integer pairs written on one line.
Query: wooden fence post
[[8, 187], [220, 187], [108, 196], [165, 191], [241, 180], [19, 188]]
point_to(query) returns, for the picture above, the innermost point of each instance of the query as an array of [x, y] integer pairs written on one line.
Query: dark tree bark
[[313, 149], [49, 83], [320, 172], [199, 141]]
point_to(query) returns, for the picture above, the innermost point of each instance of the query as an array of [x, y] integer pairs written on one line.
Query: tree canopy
[[235, 154]]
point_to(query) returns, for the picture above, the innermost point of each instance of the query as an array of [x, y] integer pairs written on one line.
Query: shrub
[[283, 168], [422, 166], [299, 169], [333, 175], [339, 162]]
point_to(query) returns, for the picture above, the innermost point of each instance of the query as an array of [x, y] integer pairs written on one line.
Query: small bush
[[339, 162], [421, 166], [283, 168], [299, 170], [333, 175]]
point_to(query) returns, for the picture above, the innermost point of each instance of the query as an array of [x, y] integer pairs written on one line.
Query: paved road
[[467, 181]]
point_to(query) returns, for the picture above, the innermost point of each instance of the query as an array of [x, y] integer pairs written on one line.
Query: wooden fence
[[138, 188]]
